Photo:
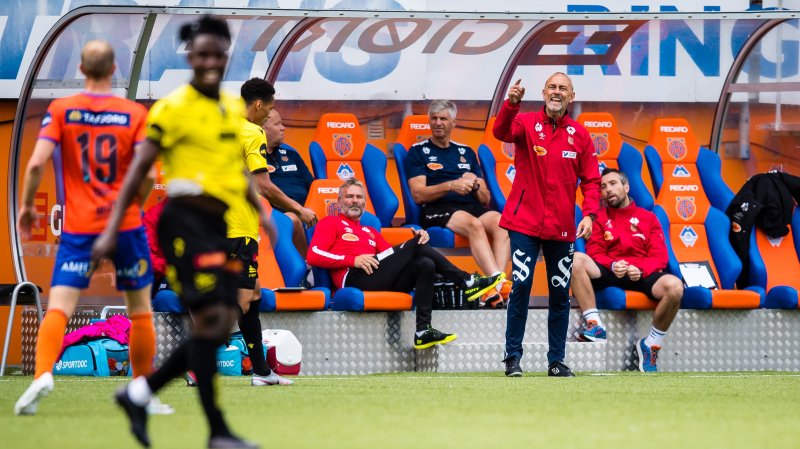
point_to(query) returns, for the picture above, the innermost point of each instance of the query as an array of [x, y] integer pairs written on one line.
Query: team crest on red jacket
[[540, 151], [366, 229], [342, 144], [685, 207], [600, 141], [676, 147], [350, 237], [634, 224]]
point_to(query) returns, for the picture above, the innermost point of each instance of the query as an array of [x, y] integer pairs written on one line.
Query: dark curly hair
[[257, 89], [205, 25]]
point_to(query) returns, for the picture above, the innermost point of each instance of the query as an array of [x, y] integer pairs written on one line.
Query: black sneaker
[[432, 337], [481, 285], [512, 367], [559, 369], [136, 414], [230, 442]]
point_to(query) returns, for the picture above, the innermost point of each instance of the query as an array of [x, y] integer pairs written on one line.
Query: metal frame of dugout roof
[[308, 18]]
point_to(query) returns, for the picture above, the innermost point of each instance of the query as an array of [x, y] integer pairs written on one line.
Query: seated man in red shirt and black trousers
[[358, 256]]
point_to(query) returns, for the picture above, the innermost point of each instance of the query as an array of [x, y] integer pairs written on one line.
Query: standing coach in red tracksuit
[[552, 152]]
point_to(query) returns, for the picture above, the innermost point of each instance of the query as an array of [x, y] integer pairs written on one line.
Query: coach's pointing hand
[[516, 92]]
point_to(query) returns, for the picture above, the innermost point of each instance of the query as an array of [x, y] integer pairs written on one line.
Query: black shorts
[[245, 250], [643, 285], [195, 245], [439, 214]]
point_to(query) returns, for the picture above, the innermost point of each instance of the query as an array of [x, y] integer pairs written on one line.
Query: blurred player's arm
[[141, 165], [33, 178], [266, 223], [147, 184]]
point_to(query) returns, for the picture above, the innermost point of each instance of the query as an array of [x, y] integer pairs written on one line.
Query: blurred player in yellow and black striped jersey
[[242, 219], [196, 131]]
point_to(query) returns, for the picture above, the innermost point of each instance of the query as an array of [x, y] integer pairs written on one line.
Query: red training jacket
[[338, 240], [549, 163], [150, 221], [631, 234]]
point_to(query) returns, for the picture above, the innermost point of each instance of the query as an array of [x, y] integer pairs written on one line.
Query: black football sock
[[250, 325], [175, 365], [203, 361]]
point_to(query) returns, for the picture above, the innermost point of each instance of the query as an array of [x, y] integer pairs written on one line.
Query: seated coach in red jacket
[[358, 256]]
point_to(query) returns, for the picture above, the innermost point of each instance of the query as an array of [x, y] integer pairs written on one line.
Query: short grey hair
[[441, 105], [347, 184]]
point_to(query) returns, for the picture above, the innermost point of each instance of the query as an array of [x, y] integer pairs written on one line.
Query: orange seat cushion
[[638, 301], [735, 299], [387, 301], [302, 300]]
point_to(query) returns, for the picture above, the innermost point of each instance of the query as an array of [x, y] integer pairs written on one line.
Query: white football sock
[[592, 315], [655, 338], [139, 391]]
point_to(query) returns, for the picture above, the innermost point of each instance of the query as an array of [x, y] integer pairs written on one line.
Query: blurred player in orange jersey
[[98, 134]]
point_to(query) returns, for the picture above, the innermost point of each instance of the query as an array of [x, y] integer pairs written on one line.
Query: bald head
[[557, 94], [560, 77], [97, 60]]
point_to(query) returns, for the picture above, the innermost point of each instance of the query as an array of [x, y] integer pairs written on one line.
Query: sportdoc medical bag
[[101, 357]]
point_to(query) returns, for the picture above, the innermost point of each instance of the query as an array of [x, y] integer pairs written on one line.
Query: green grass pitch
[[421, 410]]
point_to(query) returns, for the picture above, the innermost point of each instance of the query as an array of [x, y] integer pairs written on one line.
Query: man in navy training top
[[445, 180], [289, 172], [626, 250]]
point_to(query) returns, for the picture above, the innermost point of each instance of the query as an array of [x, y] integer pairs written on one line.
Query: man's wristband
[[592, 216]]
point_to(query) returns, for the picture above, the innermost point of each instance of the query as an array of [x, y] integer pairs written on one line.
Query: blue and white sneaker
[[648, 356], [593, 332]]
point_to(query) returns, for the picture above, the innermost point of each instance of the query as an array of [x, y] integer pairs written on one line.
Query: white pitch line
[[119, 379], [737, 375], [723, 376]]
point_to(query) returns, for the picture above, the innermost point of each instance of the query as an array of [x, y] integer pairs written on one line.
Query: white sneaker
[[28, 403], [156, 407], [272, 379]]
